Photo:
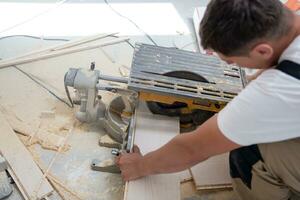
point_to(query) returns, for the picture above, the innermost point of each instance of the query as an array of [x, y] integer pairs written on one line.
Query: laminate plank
[[212, 173], [21, 163], [153, 131]]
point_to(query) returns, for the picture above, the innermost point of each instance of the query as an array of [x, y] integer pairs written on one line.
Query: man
[[261, 126]]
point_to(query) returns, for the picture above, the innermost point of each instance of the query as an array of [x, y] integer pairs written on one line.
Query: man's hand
[[130, 165]]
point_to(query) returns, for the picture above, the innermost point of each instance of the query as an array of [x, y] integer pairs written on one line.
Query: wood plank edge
[[214, 187]]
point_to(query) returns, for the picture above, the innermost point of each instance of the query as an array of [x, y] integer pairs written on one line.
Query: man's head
[[246, 31]]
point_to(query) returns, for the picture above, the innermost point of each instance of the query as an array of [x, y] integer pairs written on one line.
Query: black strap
[[290, 68], [241, 161]]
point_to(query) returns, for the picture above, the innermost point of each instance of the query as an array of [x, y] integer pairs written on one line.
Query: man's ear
[[262, 51]]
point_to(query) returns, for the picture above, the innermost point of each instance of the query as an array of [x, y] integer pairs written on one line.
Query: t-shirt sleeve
[[267, 110]]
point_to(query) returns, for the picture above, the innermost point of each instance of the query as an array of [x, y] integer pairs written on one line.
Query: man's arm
[[180, 153]]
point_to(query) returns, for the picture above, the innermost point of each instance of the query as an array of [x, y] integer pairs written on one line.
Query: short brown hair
[[231, 26]]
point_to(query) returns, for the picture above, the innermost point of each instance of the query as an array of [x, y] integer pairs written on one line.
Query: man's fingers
[[117, 160], [125, 175]]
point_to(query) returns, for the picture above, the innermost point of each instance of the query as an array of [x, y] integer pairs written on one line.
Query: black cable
[[43, 86], [146, 34], [47, 89], [67, 90], [127, 41], [34, 37]]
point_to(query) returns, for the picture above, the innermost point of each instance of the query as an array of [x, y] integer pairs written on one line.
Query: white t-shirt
[[268, 109]]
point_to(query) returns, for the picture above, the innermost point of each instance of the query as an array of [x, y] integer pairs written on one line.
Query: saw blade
[[172, 109], [196, 117]]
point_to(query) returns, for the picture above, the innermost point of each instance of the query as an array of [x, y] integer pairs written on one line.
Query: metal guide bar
[[197, 68], [219, 82], [183, 89], [214, 78], [234, 75], [181, 93], [155, 78], [131, 131]]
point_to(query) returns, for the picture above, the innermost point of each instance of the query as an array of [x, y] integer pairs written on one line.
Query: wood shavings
[[46, 139]]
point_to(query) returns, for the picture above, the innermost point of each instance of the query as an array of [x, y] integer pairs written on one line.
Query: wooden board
[[21, 163], [153, 131], [212, 173]]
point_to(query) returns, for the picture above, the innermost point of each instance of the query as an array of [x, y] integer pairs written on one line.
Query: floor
[[169, 22]]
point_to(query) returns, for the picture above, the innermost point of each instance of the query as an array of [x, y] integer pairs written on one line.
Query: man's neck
[[297, 24], [283, 44]]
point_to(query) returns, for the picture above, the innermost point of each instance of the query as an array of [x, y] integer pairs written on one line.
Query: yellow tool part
[[192, 104]]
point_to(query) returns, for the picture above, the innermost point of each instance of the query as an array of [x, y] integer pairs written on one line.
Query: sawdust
[[46, 138], [64, 118], [83, 128], [59, 125], [116, 191], [59, 186]]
